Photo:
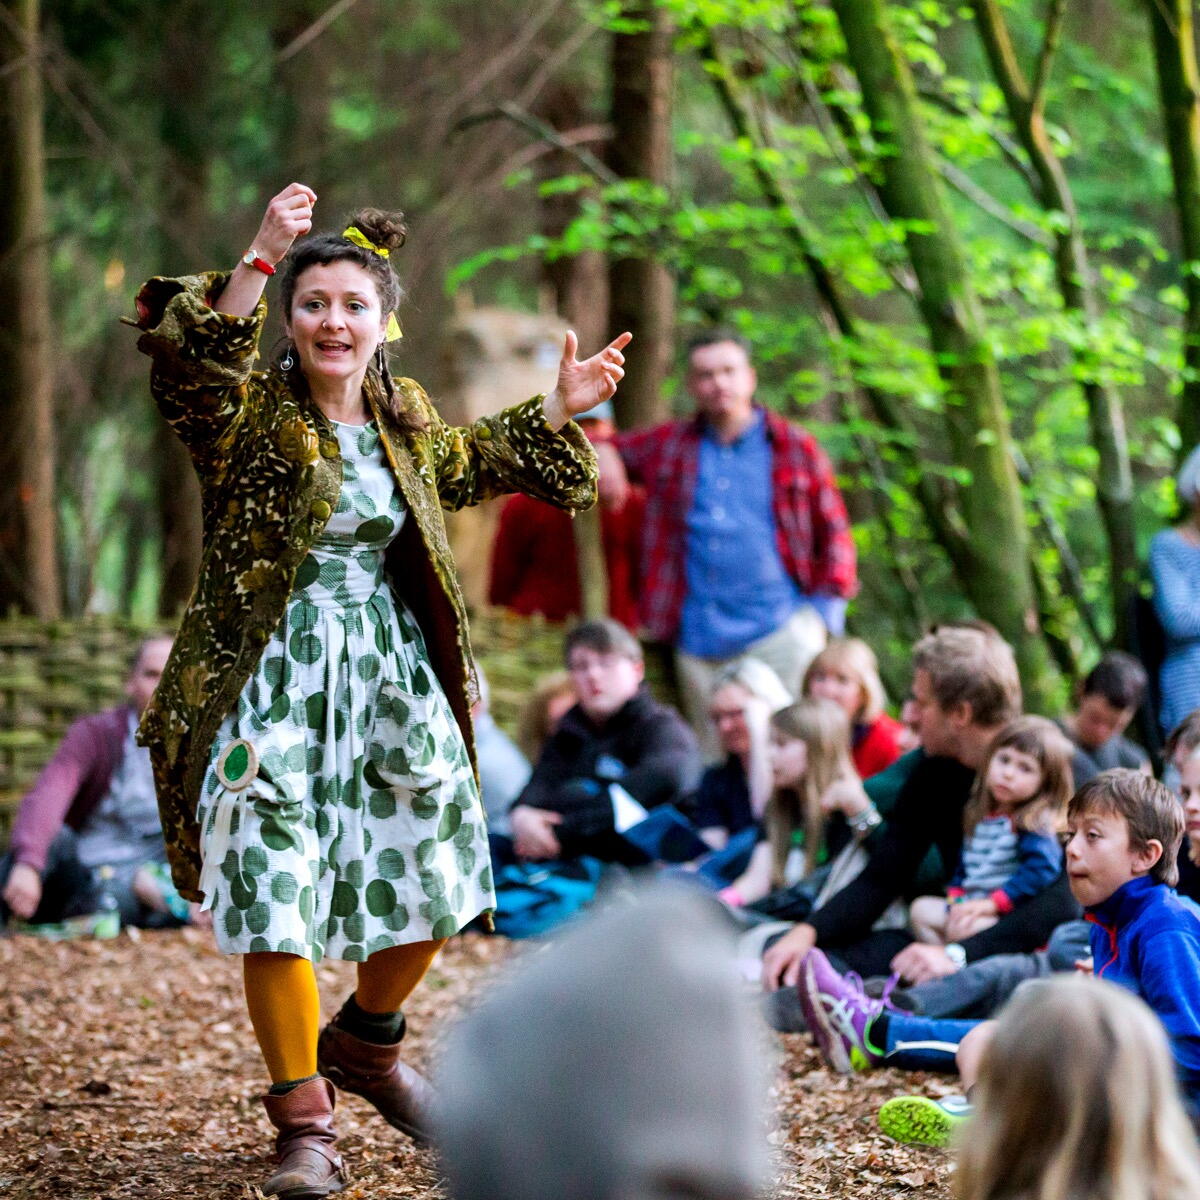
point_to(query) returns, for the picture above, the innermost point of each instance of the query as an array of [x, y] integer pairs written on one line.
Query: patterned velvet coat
[[270, 471]]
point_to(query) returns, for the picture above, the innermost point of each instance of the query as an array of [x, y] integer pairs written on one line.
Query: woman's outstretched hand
[[288, 216], [583, 385]]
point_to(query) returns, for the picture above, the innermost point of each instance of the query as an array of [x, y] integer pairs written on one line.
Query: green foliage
[[368, 111]]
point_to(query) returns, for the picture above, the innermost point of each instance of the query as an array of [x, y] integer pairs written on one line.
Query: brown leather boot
[[309, 1166], [404, 1097]]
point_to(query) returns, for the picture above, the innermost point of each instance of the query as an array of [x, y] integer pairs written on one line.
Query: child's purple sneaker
[[838, 1014]]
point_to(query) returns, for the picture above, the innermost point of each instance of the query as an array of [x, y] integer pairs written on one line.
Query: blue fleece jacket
[[1147, 940]]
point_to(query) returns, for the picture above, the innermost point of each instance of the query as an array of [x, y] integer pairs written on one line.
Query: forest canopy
[[963, 239]]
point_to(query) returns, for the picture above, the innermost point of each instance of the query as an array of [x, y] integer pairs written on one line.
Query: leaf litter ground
[[129, 1070]]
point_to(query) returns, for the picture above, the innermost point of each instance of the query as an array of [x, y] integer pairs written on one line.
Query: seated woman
[[816, 812], [847, 673]]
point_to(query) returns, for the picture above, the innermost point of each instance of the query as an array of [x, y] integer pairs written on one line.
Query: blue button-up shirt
[[738, 589]]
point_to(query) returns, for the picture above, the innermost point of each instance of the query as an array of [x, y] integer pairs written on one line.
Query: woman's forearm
[[241, 294]]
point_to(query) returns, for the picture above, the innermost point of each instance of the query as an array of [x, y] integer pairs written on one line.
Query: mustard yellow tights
[[285, 1007]]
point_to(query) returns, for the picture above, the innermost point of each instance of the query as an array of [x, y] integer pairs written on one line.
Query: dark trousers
[[1040, 916], [68, 888]]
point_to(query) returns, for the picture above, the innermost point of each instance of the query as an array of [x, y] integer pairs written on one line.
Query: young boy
[[1125, 833]]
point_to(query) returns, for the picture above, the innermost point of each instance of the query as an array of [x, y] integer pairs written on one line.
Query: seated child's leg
[[977, 990], [927, 919], [854, 1032], [919, 1043]]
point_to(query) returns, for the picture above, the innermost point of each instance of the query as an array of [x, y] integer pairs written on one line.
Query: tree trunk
[[29, 579], [1106, 417], [186, 138], [578, 282], [1179, 91], [642, 291], [1000, 582]]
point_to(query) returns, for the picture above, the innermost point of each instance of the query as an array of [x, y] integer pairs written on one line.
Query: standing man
[[746, 546]]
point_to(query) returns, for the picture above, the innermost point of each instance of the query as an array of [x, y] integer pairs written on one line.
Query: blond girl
[[1010, 851], [817, 807]]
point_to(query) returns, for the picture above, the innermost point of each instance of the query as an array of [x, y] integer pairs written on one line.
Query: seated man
[[94, 807], [966, 689], [1108, 699], [617, 746]]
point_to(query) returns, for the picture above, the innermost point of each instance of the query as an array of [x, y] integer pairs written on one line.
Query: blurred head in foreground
[[619, 1064], [1077, 1098]]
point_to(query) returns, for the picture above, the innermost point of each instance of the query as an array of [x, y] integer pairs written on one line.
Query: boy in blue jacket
[[1125, 832]]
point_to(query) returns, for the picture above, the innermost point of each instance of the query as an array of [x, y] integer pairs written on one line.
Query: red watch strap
[[260, 264]]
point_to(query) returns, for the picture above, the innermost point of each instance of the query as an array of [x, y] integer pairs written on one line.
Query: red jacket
[[71, 784], [534, 568], [812, 529], [877, 746]]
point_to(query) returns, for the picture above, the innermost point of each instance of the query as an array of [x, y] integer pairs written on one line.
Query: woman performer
[[311, 735]]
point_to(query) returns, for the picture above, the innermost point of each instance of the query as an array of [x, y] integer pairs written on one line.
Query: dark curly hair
[[386, 230]]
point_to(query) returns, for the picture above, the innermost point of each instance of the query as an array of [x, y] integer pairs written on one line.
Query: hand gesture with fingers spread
[[583, 385], [288, 216]]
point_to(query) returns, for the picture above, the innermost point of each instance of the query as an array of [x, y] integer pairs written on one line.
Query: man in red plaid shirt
[[746, 545]]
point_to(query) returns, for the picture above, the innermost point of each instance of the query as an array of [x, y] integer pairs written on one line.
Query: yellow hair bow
[[356, 235], [394, 332]]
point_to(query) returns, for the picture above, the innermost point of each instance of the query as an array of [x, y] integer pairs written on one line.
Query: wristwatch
[[251, 259], [956, 954], [865, 821]]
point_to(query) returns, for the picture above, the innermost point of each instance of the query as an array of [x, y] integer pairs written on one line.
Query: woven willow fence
[[51, 673]]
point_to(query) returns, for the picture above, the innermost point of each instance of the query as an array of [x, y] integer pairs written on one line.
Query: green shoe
[[922, 1120]]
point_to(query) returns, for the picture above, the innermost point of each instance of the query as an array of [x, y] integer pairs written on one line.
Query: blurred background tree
[[958, 237]]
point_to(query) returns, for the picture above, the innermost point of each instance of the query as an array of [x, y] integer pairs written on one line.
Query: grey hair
[[758, 679]]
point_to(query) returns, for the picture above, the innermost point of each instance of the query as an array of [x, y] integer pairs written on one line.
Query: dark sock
[[282, 1089], [380, 1029], [875, 1034]]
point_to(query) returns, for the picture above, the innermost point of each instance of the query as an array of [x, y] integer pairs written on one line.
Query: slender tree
[[1174, 37], [976, 418], [642, 291], [29, 578], [1025, 102]]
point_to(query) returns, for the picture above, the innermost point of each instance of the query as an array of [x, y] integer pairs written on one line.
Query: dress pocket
[[412, 743], [261, 774]]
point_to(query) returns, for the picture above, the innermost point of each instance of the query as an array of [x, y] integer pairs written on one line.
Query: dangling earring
[[380, 359], [286, 363]]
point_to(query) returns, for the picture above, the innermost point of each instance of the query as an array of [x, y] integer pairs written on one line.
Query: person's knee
[[971, 1050]]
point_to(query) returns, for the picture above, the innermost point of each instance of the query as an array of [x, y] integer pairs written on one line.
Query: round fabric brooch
[[237, 765]]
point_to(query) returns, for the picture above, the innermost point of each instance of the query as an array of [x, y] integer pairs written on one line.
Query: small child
[[817, 807], [847, 672], [1075, 1099], [1010, 851], [1125, 832]]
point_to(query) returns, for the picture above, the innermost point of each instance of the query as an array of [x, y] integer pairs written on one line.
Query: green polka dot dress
[[339, 813]]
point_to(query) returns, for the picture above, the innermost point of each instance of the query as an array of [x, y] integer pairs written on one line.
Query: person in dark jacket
[[616, 751], [1109, 697]]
